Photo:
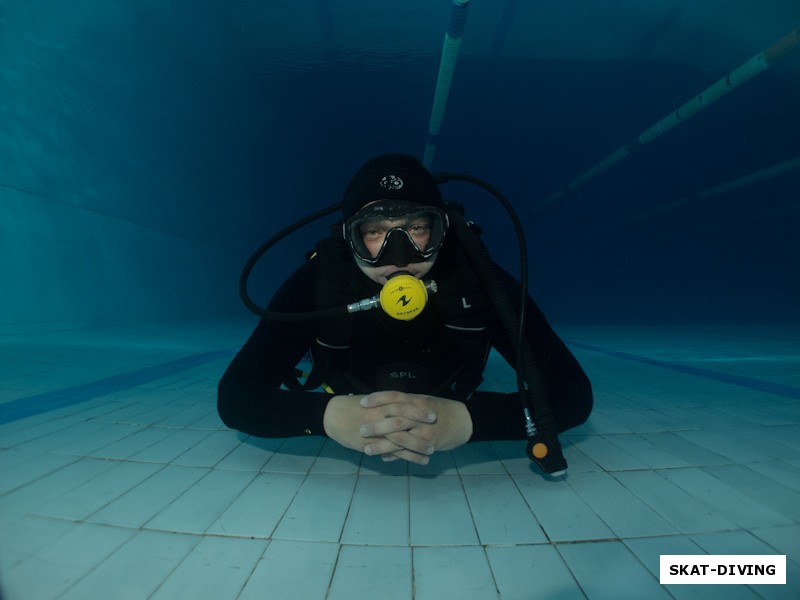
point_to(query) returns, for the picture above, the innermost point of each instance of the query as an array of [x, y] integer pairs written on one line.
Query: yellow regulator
[[403, 297]]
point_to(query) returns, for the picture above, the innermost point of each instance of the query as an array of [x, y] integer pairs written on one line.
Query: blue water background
[[208, 128]]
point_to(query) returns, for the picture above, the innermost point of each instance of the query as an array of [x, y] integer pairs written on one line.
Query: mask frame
[[398, 246]]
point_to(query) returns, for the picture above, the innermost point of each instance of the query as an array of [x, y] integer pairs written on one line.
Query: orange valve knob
[[539, 450]]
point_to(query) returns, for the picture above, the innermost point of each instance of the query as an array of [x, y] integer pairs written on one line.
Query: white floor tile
[[357, 572], [143, 491], [309, 519], [259, 507], [334, 458], [441, 463], [453, 572], [440, 514], [738, 542], [198, 507], [60, 564], [649, 551], [499, 511], [295, 455], [744, 542], [577, 459], [76, 432], [77, 475], [131, 445], [788, 435], [215, 448], [624, 513], [680, 508], [189, 416], [26, 535], [646, 452], [785, 540], [766, 491], [169, 448], [525, 572], [217, 567], [83, 501], [609, 570], [687, 451], [21, 468], [251, 455], [137, 569], [291, 569], [479, 458], [36, 428], [94, 436], [606, 454], [778, 447], [728, 444], [726, 500], [379, 512], [374, 465], [145, 501], [563, 514]]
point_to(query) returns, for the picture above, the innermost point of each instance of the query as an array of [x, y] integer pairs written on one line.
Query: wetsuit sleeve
[[500, 416], [250, 397]]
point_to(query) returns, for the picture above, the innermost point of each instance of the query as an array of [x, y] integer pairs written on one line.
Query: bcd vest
[[441, 352]]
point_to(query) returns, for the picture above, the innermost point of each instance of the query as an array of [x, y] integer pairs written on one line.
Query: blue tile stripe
[[778, 389], [47, 401]]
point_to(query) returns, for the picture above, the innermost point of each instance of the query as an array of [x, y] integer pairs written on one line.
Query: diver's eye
[[371, 234], [418, 229]]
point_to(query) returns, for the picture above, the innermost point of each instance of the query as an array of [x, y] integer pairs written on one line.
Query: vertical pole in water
[[447, 66]]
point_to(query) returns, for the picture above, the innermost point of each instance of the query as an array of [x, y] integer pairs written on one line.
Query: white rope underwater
[[757, 64], [447, 66]]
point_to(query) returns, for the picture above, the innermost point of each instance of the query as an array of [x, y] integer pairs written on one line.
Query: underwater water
[[146, 149]]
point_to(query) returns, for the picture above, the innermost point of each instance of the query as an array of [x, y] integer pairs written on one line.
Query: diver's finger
[[413, 457], [387, 426], [401, 407], [409, 441], [380, 446], [401, 440]]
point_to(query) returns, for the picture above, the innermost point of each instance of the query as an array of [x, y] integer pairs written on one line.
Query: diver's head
[[394, 217]]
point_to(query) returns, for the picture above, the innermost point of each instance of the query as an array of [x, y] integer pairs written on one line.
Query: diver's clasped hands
[[397, 425], [447, 425]]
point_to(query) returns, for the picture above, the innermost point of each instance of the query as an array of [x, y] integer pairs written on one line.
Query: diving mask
[[395, 233]]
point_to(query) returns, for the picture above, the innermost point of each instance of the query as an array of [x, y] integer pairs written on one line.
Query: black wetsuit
[[251, 398]]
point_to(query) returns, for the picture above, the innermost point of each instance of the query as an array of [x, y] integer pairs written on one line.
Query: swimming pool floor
[[117, 479]]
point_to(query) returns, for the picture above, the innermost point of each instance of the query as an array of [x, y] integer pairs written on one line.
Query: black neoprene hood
[[400, 177]]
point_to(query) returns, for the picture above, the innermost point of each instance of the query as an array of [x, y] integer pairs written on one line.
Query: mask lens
[[379, 239]]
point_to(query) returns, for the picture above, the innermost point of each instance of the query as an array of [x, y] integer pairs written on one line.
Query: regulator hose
[[543, 446], [262, 250]]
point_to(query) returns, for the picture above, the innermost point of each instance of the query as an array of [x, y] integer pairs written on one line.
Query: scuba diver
[[402, 382]]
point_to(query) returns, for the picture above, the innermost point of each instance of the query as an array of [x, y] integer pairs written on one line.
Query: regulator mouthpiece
[[403, 297]]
